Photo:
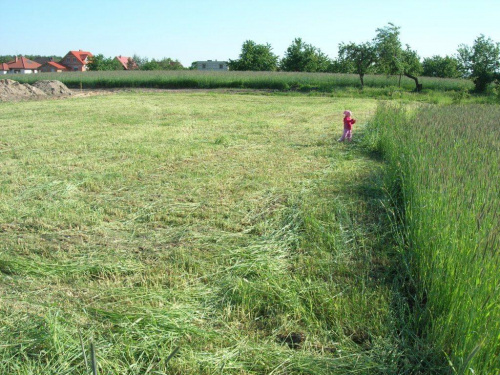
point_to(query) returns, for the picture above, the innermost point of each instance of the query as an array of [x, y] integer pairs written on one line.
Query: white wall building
[[212, 65]]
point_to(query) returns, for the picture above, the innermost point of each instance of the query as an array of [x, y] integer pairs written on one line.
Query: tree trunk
[[418, 86], [399, 84], [361, 76]]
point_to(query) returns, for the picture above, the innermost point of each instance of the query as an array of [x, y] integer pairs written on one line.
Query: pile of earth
[[13, 90]]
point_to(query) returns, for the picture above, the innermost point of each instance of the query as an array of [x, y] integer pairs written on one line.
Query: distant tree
[[392, 59], [164, 64], [412, 67], [170, 64], [361, 57], [139, 60], [6, 58], [389, 50], [303, 57], [481, 62], [340, 66], [151, 65], [131, 64], [38, 58], [42, 59], [256, 57], [441, 67], [99, 62]]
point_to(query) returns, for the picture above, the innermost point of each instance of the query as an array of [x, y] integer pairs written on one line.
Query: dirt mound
[[53, 88], [13, 90]]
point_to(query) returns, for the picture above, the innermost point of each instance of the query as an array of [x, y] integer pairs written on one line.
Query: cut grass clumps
[[191, 233], [444, 172]]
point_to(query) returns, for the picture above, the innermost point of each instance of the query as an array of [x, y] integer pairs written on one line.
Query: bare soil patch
[[54, 88], [11, 90]]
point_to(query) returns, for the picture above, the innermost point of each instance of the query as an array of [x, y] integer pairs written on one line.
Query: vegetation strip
[[443, 168]]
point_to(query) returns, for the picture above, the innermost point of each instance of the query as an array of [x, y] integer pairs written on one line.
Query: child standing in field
[[348, 122]]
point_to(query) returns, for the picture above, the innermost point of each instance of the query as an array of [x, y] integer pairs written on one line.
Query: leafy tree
[[164, 64], [481, 62], [6, 58], [303, 57], [340, 66], [388, 48], [257, 57], [392, 59], [361, 57], [99, 62], [442, 67], [151, 65], [140, 61], [170, 64], [412, 67], [38, 58]]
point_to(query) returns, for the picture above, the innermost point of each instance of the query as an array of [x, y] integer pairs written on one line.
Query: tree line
[[384, 54], [100, 62]]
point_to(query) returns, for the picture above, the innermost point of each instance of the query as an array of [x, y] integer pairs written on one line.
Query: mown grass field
[[232, 227]]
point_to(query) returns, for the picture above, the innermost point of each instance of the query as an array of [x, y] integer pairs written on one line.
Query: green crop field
[[322, 82], [444, 167], [209, 232]]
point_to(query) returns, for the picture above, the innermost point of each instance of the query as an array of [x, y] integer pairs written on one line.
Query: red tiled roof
[[4, 66], [81, 55], [23, 63], [57, 65], [124, 60]]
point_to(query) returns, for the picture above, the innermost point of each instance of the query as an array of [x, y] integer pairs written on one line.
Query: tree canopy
[[257, 57], [99, 62], [303, 57], [360, 57], [481, 62], [392, 59], [442, 67]]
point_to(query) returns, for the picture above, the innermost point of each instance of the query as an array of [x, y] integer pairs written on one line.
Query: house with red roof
[[127, 62], [4, 68], [53, 67], [22, 65], [76, 60]]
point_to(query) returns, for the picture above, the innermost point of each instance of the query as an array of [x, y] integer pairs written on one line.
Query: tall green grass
[[324, 82], [445, 182]]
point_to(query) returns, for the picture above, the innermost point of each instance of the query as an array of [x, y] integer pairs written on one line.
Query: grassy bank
[[444, 173], [322, 82], [229, 230]]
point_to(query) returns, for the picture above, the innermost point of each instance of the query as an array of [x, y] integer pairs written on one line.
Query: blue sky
[[215, 29]]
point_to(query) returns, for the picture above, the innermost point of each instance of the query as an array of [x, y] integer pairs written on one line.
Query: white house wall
[[212, 65]]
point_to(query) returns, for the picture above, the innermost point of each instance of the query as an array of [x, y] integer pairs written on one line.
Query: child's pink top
[[348, 122]]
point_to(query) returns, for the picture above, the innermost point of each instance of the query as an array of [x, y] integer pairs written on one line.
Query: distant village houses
[[212, 65], [20, 65], [127, 62], [73, 61], [77, 60], [4, 68], [53, 67]]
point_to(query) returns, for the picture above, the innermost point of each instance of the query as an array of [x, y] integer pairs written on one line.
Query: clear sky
[[216, 29]]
